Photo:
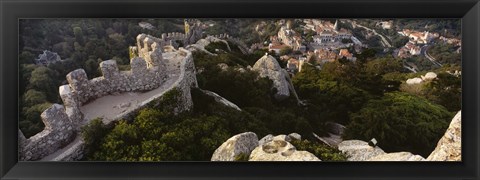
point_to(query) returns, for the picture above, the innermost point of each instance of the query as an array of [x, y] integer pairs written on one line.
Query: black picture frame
[[467, 10]]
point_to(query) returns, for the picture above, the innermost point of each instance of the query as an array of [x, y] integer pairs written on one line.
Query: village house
[[325, 55], [292, 65], [345, 53], [290, 38], [453, 41], [146, 25], [385, 24], [328, 33], [419, 37], [408, 50], [47, 57], [276, 48]]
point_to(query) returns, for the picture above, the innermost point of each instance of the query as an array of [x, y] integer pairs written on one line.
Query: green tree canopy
[[400, 122]]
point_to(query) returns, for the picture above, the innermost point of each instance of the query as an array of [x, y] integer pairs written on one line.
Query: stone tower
[[193, 31]]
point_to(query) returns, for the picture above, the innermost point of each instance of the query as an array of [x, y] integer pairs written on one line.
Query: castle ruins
[[156, 66]]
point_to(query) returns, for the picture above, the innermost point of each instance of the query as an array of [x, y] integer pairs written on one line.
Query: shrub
[[400, 122], [322, 151], [241, 157]]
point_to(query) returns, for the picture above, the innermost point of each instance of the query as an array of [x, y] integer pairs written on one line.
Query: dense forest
[[369, 96]]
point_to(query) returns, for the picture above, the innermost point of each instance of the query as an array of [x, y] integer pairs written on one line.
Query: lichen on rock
[[449, 148], [267, 66], [280, 150], [236, 145]]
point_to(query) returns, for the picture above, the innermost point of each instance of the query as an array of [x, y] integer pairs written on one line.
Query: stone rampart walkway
[[113, 107]]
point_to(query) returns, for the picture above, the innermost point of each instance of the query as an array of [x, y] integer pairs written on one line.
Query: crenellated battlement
[[148, 71], [59, 131], [173, 36]]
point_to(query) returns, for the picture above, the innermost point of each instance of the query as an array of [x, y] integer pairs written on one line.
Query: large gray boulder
[[335, 128], [295, 136], [267, 66], [239, 144], [358, 150], [449, 148], [280, 150]]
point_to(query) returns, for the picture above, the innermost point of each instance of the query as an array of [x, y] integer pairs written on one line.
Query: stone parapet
[[148, 71]]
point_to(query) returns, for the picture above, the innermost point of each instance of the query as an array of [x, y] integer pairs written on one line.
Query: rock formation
[[418, 80], [429, 76], [269, 148], [398, 156], [221, 99], [357, 150], [295, 136], [449, 148], [267, 66], [239, 144], [335, 132], [280, 150], [414, 81], [265, 139]]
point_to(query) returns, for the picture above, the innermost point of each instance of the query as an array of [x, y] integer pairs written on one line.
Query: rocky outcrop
[[398, 156], [429, 76], [281, 137], [414, 81], [280, 150], [239, 144], [418, 80], [449, 148], [335, 132], [267, 66], [295, 136], [269, 148], [335, 128], [265, 139], [357, 150], [221, 99]]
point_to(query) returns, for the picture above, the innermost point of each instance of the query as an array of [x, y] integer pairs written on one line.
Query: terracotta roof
[[277, 46]]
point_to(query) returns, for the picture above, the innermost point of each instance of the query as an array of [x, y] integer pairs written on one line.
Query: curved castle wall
[[148, 71]]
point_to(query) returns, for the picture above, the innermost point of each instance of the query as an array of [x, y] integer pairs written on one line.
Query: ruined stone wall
[[148, 71], [187, 79], [173, 36], [58, 132]]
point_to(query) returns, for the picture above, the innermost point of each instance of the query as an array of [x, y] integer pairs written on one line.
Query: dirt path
[[111, 106]]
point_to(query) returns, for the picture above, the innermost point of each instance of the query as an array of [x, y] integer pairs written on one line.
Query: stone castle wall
[[58, 132], [148, 71]]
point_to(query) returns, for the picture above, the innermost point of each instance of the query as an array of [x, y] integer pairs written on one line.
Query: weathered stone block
[[109, 69]]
